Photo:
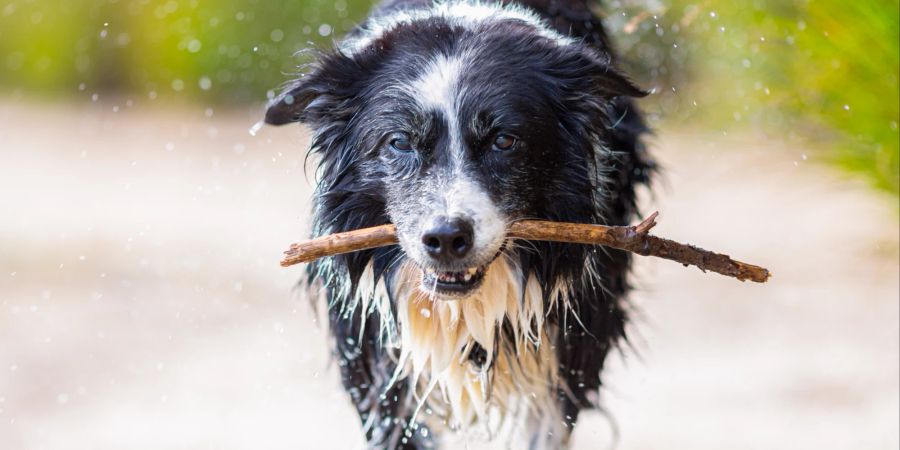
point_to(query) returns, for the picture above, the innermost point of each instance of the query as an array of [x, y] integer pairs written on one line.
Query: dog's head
[[452, 124]]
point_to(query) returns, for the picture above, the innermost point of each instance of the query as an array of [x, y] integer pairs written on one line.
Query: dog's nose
[[448, 239]]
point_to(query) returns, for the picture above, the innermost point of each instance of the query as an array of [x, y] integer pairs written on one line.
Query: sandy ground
[[142, 307]]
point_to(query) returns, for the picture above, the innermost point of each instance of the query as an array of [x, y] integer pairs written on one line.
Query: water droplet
[[255, 128], [194, 46], [276, 35]]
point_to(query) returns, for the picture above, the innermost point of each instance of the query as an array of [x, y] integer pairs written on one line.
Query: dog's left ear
[[288, 107], [325, 92], [614, 83], [606, 79]]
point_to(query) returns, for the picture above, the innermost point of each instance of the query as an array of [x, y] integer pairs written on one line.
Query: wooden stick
[[636, 239], [335, 244]]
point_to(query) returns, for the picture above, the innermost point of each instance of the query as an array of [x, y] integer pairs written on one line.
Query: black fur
[[561, 101]]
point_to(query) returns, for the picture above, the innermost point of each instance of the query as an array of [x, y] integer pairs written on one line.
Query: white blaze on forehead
[[437, 89], [463, 13], [437, 86]]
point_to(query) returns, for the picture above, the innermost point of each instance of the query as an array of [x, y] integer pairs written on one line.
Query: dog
[[451, 120]]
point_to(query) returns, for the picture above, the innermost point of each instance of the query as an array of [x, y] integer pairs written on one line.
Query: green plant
[[824, 71]]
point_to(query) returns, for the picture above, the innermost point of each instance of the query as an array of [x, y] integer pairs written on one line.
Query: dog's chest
[[483, 361]]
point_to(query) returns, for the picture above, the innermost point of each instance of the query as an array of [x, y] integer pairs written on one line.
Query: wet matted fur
[[479, 114]]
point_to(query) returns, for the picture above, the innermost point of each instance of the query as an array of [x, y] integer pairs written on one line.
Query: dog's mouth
[[454, 284]]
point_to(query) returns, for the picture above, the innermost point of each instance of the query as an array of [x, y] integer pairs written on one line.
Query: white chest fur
[[517, 382]]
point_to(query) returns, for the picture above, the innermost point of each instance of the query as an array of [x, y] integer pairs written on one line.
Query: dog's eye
[[401, 143], [505, 142]]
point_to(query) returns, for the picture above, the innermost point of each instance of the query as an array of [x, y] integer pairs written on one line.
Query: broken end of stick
[[760, 275], [290, 256], [647, 224], [753, 273]]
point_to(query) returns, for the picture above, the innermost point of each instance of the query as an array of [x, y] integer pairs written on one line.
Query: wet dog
[[452, 120]]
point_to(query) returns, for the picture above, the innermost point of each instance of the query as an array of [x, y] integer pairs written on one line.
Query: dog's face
[[455, 131]]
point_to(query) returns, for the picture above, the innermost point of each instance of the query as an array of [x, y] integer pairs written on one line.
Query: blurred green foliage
[[825, 71], [227, 50]]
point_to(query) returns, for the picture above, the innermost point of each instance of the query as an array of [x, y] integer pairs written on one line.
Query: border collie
[[451, 120]]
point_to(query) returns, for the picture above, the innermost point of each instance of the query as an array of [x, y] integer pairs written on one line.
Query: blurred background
[[141, 304]]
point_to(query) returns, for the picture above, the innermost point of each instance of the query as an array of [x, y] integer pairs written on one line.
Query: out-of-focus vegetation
[[823, 70], [223, 50]]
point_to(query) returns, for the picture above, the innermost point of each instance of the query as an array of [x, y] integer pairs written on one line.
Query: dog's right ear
[[326, 91]]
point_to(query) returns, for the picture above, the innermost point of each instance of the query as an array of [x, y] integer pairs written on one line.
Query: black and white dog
[[452, 120]]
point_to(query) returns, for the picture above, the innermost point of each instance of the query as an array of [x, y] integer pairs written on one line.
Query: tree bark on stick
[[636, 239]]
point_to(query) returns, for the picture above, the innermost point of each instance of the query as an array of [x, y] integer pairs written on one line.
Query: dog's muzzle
[[448, 244]]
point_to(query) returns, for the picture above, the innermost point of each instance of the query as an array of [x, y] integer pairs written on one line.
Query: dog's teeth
[[468, 277], [472, 270]]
